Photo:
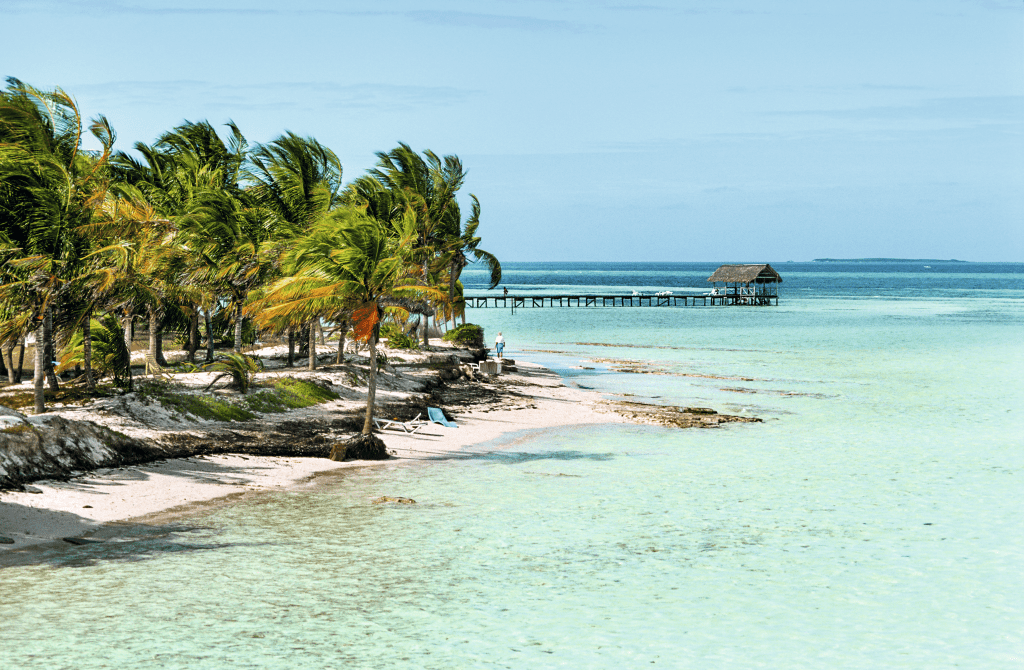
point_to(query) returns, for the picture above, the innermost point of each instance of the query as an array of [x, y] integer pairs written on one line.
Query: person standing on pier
[[499, 345], [506, 291]]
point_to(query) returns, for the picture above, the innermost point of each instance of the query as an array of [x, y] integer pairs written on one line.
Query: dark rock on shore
[[361, 447], [54, 447], [677, 417]]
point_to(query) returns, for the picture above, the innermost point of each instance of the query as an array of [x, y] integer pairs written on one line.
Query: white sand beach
[[81, 506]]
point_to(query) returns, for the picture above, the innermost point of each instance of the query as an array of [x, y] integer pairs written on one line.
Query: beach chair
[[394, 424], [155, 369], [437, 416]]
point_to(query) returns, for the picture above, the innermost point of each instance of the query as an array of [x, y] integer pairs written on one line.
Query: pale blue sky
[[743, 130]]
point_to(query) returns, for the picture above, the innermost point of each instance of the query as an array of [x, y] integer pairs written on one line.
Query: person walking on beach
[[499, 345]]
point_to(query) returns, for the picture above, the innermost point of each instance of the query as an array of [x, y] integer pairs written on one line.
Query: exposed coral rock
[[676, 417], [389, 499]]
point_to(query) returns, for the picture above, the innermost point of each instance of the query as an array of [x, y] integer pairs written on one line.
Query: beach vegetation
[[110, 355], [203, 235], [287, 393], [206, 407], [240, 368], [468, 334], [396, 338]]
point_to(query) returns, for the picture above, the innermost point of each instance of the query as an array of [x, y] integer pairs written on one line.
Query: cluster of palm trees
[[198, 227]]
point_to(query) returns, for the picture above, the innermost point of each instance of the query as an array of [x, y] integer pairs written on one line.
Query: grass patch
[[204, 407], [20, 428], [67, 395], [285, 394]]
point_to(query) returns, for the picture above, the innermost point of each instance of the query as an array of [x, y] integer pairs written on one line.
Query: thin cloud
[[492, 21], [431, 17], [979, 109], [274, 95], [103, 7]]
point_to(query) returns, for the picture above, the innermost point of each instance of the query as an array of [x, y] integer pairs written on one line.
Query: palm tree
[[347, 261], [227, 236], [459, 244], [426, 185], [48, 192], [175, 177], [300, 180]]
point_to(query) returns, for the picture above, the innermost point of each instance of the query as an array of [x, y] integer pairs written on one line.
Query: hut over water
[[756, 284]]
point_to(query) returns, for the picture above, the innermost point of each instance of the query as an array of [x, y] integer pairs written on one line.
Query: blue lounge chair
[[437, 416]]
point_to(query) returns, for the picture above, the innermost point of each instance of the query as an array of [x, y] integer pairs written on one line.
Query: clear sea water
[[874, 520]]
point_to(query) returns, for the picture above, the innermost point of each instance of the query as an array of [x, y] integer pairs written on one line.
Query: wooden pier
[[675, 300], [750, 285]]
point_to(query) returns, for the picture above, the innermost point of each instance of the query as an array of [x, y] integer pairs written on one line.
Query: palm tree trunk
[[160, 360], [128, 334], [371, 391], [193, 335], [312, 346], [291, 346], [238, 326], [342, 329], [209, 334], [8, 353], [153, 335], [90, 385], [4, 370], [38, 374], [21, 362], [426, 321], [51, 376]]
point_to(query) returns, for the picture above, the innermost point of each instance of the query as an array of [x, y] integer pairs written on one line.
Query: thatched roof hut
[[745, 285], [745, 274]]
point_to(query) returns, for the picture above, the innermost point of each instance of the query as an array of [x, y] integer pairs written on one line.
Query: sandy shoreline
[[532, 398]]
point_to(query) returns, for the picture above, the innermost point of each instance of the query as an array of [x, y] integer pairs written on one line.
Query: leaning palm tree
[[425, 185], [227, 236], [49, 190], [347, 261], [458, 245]]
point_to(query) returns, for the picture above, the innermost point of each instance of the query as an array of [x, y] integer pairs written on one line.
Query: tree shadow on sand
[[98, 543]]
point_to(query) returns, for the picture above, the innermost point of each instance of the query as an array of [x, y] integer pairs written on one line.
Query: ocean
[[872, 521]]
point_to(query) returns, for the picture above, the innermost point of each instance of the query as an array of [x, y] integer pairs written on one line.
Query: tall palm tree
[[49, 190], [181, 169], [427, 185], [227, 236], [346, 261], [458, 245], [300, 180]]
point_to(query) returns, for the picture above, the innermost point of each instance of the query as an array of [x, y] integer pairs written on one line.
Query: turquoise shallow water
[[872, 521]]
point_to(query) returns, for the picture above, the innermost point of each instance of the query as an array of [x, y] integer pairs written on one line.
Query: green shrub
[[205, 407], [241, 368], [288, 393], [110, 355], [468, 334], [396, 338]]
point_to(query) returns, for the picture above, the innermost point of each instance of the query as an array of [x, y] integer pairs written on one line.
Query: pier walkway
[[675, 300]]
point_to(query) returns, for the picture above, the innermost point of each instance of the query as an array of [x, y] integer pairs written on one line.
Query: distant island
[[887, 260]]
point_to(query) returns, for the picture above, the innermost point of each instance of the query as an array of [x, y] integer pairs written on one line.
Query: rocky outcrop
[[361, 447], [51, 446], [676, 417]]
